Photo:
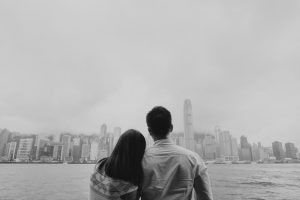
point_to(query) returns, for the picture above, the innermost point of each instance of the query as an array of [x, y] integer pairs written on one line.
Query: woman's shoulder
[[109, 186]]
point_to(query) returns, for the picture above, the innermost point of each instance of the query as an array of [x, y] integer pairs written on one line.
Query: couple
[[163, 171]]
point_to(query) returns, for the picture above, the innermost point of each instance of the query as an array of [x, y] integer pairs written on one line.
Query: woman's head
[[125, 160]]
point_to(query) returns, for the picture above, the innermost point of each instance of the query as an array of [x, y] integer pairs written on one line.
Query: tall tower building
[[24, 150], [291, 151], [66, 141], [103, 130], [278, 150], [188, 126], [4, 136], [245, 150]]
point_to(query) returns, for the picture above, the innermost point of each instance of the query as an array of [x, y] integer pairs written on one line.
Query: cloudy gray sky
[[73, 65]]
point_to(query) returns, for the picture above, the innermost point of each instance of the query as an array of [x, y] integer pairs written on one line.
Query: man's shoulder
[[172, 149]]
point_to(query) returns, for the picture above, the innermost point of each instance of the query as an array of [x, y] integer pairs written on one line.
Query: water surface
[[71, 182]]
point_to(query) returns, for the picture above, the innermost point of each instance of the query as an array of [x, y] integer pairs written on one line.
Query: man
[[171, 172]]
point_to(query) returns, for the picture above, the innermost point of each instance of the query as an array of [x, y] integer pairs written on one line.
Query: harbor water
[[71, 181]]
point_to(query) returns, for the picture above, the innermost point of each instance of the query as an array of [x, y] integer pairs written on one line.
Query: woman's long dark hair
[[125, 160]]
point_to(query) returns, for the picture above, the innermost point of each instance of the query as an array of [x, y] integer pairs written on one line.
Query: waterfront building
[[210, 147], [206, 145], [57, 151], [234, 147], [255, 152], [85, 152], [103, 130], [225, 143], [278, 150], [188, 126], [245, 152], [94, 150], [244, 142], [45, 149], [76, 149], [291, 151], [4, 136], [268, 151], [11, 149], [35, 148], [25, 146], [66, 141], [227, 147]]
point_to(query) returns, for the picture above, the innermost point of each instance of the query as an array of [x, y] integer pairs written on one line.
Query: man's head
[[159, 122]]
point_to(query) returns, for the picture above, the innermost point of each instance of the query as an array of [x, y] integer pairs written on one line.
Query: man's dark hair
[[159, 121], [125, 160]]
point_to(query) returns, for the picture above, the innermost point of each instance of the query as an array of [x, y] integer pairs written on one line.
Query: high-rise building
[[76, 149], [228, 149], [24, 150], [209, 147], [225, 143], [11, 148], [57, 151], [188, 126], [278, 150], [234, 147], [291, 151], [66, 141], [94, 150], [85, 152], [255, 152], [244, 142], [103, 130], [4, 135], [245, 152]]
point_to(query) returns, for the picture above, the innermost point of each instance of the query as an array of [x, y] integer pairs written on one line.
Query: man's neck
[[159, 138]]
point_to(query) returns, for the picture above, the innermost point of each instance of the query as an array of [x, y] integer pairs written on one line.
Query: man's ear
[[171, 128]]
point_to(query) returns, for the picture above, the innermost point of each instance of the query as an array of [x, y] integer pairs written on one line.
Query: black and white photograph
[[149, 100]]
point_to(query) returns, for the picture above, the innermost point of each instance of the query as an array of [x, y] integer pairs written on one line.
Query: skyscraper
[[4, 135], [291, 151], [103, 130], [66, 141], [76, 149], [246, 150], [24, 150], [11, 150], [188, 125], [278, 150], [228, 149]]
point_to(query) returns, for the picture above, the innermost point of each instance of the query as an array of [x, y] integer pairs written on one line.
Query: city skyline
[[220, 146]]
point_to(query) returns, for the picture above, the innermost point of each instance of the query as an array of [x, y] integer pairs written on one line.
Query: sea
[[71, 181]]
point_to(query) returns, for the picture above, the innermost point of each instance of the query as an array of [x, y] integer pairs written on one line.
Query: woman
[[118, 176]]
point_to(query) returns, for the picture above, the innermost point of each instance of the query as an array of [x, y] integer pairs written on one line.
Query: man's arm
[[202, 184]]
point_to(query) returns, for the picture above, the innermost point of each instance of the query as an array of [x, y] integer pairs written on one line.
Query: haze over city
[[73, 68]]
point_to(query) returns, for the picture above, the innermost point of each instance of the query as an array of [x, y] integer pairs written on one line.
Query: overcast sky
[[73, 65]]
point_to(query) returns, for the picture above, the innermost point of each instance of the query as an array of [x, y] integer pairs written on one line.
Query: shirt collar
[[163, 141]]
